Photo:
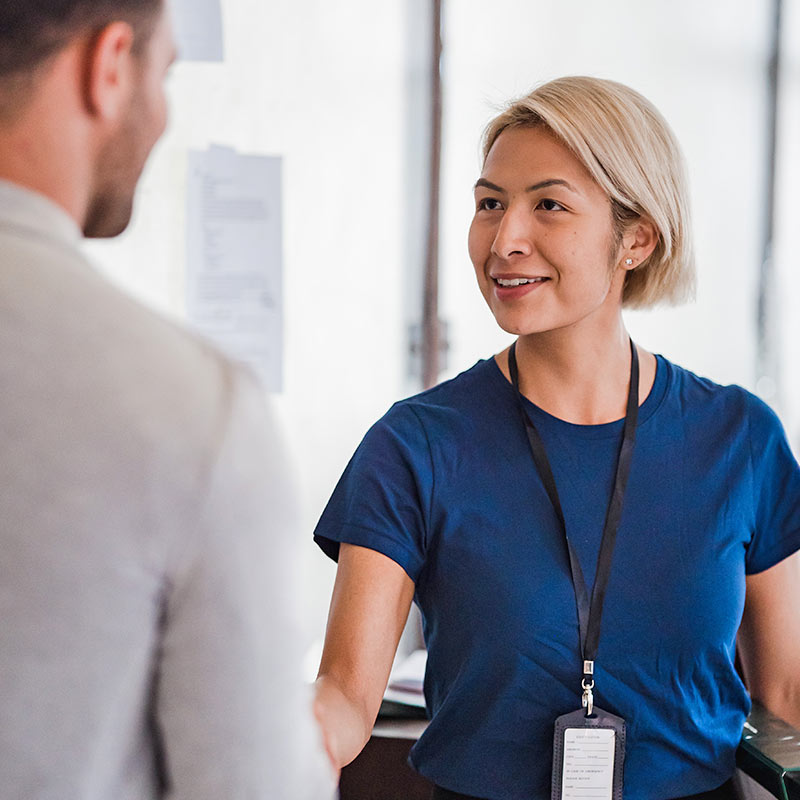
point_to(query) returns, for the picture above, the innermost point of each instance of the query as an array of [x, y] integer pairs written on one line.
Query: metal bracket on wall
[[415, 348]]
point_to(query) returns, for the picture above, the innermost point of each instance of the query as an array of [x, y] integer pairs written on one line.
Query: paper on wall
[[233, 251], [198, 29]]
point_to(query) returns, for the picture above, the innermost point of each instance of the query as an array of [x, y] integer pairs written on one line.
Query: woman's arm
[[369, 607], [769, 638]]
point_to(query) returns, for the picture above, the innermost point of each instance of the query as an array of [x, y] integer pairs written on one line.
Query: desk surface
[[400, 728]]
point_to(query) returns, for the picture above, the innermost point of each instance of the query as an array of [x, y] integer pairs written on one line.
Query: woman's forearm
[[783, 701], [769, 638], [346, 725]]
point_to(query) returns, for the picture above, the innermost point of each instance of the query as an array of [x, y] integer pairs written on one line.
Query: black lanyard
[[589, 615]]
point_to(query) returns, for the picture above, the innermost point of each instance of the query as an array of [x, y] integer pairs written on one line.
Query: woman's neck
[[577, 378]]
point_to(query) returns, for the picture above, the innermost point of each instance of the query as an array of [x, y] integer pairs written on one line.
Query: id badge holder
[[588, 756]]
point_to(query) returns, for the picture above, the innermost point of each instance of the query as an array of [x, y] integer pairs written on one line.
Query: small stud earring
[[629, 261]]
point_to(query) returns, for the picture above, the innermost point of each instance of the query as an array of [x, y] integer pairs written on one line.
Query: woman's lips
[[511, 288]]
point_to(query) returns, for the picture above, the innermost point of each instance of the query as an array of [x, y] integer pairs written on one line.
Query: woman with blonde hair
[[577, 518]]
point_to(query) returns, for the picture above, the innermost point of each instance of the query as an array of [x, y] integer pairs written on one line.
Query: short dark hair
[[33, 30]]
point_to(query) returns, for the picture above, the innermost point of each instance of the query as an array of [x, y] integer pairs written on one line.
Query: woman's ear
[[638, 243], [109, 71]]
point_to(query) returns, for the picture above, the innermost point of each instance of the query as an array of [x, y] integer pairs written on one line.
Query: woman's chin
[[516, 327]]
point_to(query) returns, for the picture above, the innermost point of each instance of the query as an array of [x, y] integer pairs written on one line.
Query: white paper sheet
[[406, 681], [198, 29], [588, 772], [233, 250]]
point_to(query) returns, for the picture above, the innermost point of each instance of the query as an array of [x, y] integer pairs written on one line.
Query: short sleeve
[[776, 487], [382, 500]]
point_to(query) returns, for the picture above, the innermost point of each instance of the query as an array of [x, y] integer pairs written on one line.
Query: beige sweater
[[148, 646]]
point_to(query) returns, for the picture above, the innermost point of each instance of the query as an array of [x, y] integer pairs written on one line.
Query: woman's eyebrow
[[551, 182], [489, 185], [534, 188]]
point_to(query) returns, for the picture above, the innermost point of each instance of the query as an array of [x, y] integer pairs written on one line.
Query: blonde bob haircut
[[630, 150]]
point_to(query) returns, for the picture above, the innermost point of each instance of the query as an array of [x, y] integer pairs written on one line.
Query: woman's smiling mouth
[[509, 282]]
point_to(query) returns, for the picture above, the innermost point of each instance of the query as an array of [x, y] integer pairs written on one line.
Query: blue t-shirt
[[445, 485]]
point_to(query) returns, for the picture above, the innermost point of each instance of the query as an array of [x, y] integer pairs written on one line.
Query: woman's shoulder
[[697, 394], [462, 401], [464, 391]]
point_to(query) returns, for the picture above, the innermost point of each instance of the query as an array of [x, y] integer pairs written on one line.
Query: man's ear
[[109, 73], [638, 243]]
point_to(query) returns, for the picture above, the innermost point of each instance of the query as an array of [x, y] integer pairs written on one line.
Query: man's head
[[84, 80]]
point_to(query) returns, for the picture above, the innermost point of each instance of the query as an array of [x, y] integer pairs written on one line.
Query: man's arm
[[234, 715]]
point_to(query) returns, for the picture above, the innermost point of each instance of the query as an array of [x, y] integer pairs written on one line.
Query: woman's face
[[541, 240]]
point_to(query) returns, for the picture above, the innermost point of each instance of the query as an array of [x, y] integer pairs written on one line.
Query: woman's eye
[[489, 204], [550, 205]]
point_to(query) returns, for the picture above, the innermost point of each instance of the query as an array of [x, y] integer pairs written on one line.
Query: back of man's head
[[82, 101], [32, 31]]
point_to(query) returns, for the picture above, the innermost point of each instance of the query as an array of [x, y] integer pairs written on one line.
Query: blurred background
[[344, 93]]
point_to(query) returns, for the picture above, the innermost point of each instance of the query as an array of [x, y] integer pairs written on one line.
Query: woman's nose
[[513, 237]]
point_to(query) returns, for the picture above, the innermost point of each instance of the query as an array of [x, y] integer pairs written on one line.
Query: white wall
[[787, 208], [333, 87]]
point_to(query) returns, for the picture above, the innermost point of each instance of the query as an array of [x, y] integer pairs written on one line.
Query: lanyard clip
[[588, 698], [588, 684]]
